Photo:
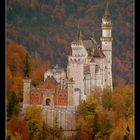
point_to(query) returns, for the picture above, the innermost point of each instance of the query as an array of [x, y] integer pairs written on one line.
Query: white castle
[[89, 65], [89, 68]]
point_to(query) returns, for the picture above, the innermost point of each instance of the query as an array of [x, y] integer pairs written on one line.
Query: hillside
[[47, 27]]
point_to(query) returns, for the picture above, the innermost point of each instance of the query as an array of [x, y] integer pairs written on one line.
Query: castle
[[89, 67]]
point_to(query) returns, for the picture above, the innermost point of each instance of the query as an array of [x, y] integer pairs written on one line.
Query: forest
[[47, 27], [39, 33]]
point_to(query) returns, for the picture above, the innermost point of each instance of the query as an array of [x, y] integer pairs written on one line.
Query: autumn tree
[[44, 131], [18, 129], [15, 57], [9, 83], [122, 100], [106, 127], [15, 136], [87, 107], [107, 99], [38, 67], [14, 65], [85, 114], [34, 120], [17, 87], [96, 125], [15, 60], [85, 133]]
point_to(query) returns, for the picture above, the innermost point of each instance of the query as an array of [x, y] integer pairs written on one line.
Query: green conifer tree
[[11, 105], [27, 67], [96, 125]]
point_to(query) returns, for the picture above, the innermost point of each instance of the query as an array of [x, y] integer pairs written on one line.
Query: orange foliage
[[120, 129], [37, 75], [17, 86], [18, 125], [9, 81], [38, 69], [15, 58], [85, 133], [15, 65]]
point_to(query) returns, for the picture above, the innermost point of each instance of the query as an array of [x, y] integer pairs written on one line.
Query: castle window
[[48, 101]]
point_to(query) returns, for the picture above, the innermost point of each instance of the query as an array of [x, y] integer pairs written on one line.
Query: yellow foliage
[[120, 130], [15, 136], [34, 120]]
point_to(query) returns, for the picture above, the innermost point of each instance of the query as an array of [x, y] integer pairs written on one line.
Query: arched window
[[48, 101]]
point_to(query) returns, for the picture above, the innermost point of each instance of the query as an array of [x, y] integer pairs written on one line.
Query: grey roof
[[98, 53], [89, 44], [56, 69], [93, 48]]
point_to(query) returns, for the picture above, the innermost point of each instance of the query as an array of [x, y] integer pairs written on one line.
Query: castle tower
[[26, 91], [106, 43], [76, 62]]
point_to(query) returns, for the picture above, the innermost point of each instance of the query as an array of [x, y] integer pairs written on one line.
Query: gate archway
[[48, 101]]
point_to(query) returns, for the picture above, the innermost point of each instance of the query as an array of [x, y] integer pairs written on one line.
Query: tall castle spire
[[106, 43], [107, 14], [79, 34]]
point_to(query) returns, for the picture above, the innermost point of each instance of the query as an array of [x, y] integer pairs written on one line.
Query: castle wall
[[70, 93], [61, 98], [59, 75], [35, 97], [87, 84], [66, 116], [76, 71], [108, 65]]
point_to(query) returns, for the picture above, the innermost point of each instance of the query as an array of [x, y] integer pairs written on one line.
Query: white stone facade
[[59, 75], [89, 65]]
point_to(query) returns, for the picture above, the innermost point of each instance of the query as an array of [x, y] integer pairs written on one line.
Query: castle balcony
[[107, 26], [106, 39]]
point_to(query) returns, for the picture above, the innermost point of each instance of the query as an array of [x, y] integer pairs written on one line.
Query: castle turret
[[106, 43], [26, 91], [76, 63]]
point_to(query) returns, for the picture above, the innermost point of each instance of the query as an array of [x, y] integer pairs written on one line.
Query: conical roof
[[107, 16]]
